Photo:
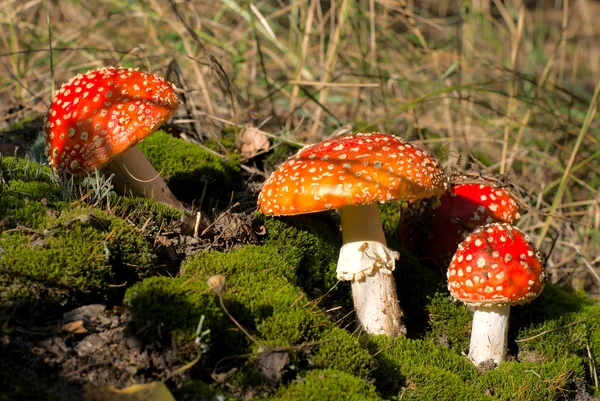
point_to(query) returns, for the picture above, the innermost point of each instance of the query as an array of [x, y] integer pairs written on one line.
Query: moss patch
[[73, 260], [27, 191], [193, 390], [283, 291], [328, 385], [188, 169], [55, 255], [313, 242], [280, 153], [263, 299], [558, 324], [146, 213], [421, 370]]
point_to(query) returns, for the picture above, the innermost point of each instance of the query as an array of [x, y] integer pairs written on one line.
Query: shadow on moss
[[192, 172], [314, 241]]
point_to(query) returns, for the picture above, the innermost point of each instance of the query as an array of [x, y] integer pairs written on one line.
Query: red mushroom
[[95, 121], [351, 173], [469, 203], [496, 266]]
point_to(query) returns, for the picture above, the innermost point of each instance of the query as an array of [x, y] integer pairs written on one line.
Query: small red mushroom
[[496, 266], [351, 173], [95, 121], [469, 203]]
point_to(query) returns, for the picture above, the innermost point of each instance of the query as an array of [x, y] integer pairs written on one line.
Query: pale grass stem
[[329, 64], [302, 58], [517, 35], [589, 117]]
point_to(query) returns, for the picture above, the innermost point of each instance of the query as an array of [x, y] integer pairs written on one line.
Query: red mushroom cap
[[496, 265], [470, 202], [478, 203], [355, 169], [97, 115]]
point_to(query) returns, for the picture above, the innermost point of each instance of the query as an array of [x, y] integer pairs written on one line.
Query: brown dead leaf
[[155, 391], [253, 142], [271, 364], [75, 327]]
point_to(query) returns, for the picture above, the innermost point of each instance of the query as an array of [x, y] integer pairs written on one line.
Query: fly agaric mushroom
[[351, 173], [95, 121], [496, 266], [469, 203]]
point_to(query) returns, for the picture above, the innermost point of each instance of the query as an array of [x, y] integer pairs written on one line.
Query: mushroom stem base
[[376, 305], [489, 334], [367, 257], [133, 172]]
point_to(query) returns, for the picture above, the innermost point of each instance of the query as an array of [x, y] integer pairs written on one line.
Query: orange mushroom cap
[[102, 113], [355, 169], [496, 265]]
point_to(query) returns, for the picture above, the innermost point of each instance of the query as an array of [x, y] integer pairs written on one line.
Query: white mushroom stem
[[368, 263], [489, 334], [133, 172]]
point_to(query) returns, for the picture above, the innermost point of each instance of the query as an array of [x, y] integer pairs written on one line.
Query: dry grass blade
[[589, 117], [517, 35], [329, 64]]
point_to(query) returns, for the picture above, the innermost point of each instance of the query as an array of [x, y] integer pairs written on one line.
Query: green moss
[[21, 169], [558, 324], [261, 296], [72, 258], [164, 306], [146, 213], [226, 140], [421, 370], [328, 384], [280, 153], [188, 168], [130, 254], [342, 351], [17, 210], [417, 285], [449, 322], [390, 221], [40, 272], [313, 241], [282, 314], [27, 193], [264, 260], [194, 390], [514, 381], [142, 208]]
